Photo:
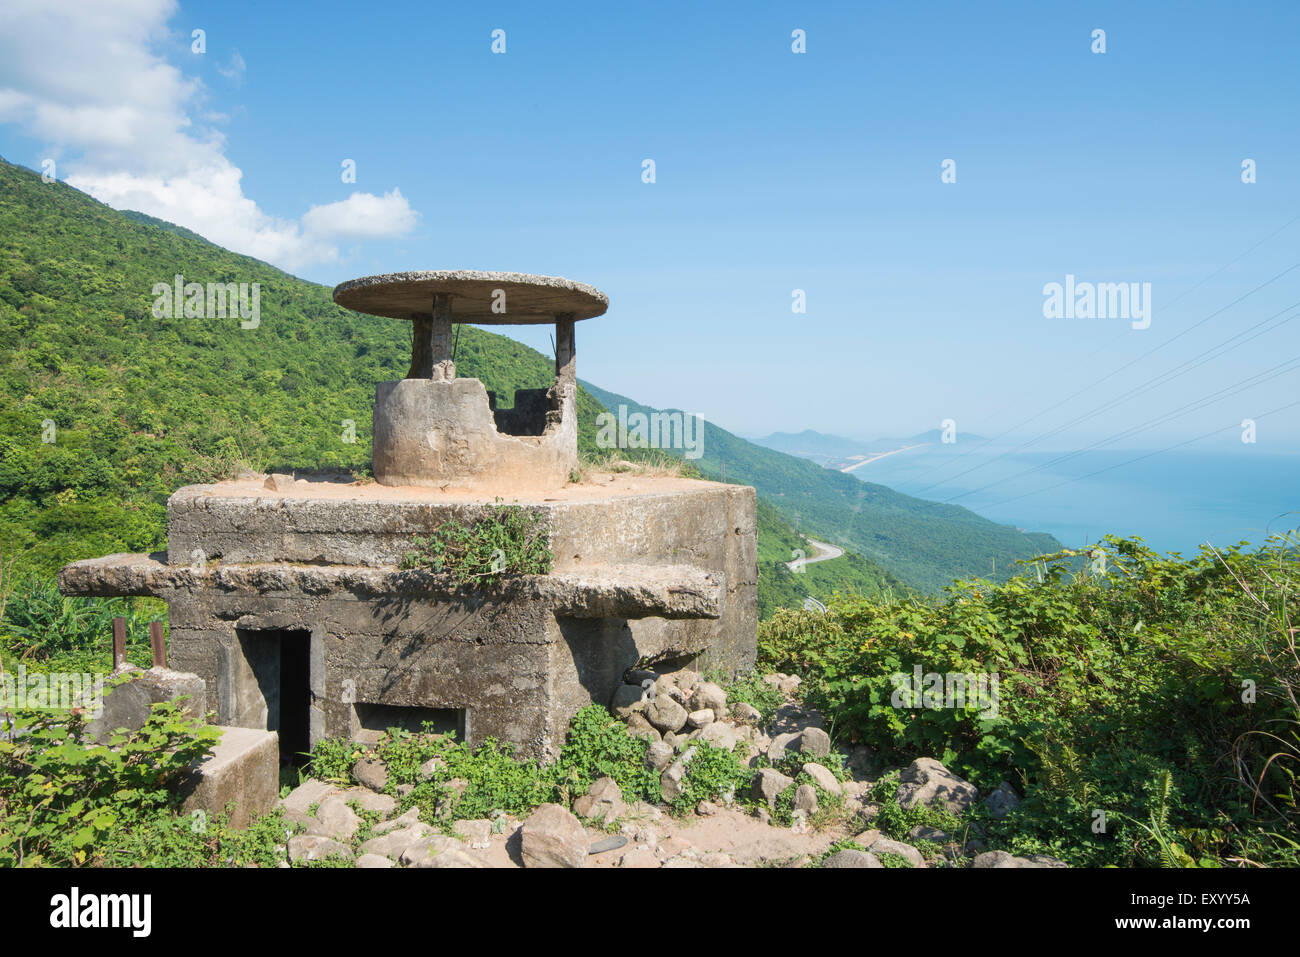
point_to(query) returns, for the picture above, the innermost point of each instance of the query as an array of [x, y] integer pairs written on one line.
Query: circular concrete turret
[[434, 429]]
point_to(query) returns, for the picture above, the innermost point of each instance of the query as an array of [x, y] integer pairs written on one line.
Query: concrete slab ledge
[[605, 591]]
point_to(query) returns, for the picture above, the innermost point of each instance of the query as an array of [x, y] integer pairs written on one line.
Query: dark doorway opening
[[281, 663]]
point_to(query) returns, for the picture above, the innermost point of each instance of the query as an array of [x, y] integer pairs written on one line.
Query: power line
[[1267, 375], [1111, 375]]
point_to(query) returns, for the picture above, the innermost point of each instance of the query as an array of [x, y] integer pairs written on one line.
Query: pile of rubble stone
[[673, 712]]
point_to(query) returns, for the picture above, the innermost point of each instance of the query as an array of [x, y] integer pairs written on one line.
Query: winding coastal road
[[824, 551]]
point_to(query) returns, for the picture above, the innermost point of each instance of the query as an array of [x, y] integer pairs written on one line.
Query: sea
[[1174, 500]]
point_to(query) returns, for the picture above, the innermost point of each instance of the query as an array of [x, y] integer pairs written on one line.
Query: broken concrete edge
[[626, 591]]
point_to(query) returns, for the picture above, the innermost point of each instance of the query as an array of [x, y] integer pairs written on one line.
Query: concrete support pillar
[[566, 370], [431, 343]]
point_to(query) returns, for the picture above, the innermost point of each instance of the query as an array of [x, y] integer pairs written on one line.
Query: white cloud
[[363, 215], [234, 68], [84, 78]]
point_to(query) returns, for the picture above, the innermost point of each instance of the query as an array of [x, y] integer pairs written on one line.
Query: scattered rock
[[720, 735], [666, 714], [627, 700], [603, 801], [776, 750], [688, 681], [1002, 801], [410, 817], [373, 860], [923, 832], [927, 782], [439, 852], [769, 783], [370, 772], [313, 847], [658, 756], [1001, 859], [430, 768], [867, 838], [805, 799], [394, 842], [334, 819], [852, 858], [883, 845], [670, 782], [815, 741], [552, 837], [700, 719], [823, 778], [639, 727], [667, 687], [745, 713], [706, 809], [708, 696], [477, 833], [640, 856], [368, 800], [303, 797], [278, 482]]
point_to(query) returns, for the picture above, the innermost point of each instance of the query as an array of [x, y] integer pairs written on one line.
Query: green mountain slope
[[924, 544], [780, 587]]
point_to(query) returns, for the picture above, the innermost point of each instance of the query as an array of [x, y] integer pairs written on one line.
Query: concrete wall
[[517, 668]]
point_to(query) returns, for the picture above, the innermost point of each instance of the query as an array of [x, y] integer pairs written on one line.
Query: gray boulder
[[927, 782], [1002, 801], [312, 847], [852, 858], [1001, 859], [552, 837], [769, 783], [666, 714]]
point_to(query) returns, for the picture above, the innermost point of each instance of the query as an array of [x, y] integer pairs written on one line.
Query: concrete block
[[244, 768]]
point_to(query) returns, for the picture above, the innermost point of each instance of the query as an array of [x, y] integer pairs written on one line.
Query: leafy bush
[[1122, 692], [711, 773], [62, 796]]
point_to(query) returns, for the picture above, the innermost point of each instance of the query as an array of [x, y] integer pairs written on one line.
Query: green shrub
[[1122, 698], [62, 796]]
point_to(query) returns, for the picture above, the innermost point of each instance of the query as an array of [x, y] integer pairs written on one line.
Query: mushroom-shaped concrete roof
[[486, 298]]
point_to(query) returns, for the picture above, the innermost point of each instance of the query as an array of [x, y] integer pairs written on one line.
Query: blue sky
[[775, 171]]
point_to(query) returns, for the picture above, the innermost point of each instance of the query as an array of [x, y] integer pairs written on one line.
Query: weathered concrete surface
[[527, 299], [243, 768], [667, 575], [661, 522], [672, 591], [435, 432]]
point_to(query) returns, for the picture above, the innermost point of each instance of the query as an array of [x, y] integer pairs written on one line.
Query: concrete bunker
[[302, 618]]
